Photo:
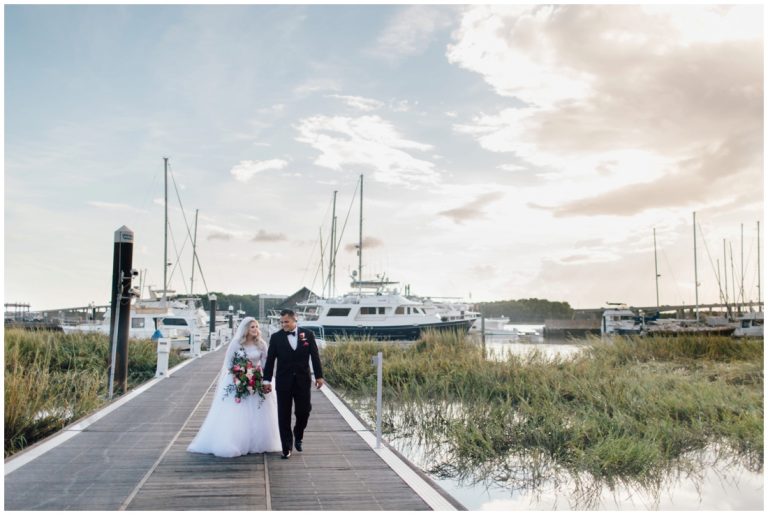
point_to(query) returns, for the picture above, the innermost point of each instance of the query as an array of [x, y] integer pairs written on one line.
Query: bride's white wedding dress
[[234, 429]]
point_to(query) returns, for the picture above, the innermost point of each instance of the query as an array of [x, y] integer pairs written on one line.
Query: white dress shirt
[[292, 338]]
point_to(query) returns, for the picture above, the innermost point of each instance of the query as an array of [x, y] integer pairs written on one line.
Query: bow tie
[[292, 333]]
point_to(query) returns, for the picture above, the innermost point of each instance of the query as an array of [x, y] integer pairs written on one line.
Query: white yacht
[[619, 319], [381, 315], [173, 318], [750, 325]]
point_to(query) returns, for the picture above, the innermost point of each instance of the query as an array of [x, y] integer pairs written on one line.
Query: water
[[500, 345], [709, 484]]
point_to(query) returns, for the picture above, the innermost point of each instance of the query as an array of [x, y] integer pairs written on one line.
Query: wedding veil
[[234, 345]]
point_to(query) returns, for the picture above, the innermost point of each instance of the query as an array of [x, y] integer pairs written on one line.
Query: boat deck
[[132, 456]]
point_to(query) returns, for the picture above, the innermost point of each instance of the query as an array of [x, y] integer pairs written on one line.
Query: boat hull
[[392, 332]]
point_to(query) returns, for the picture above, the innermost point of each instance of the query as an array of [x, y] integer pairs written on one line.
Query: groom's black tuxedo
[[293, 380]]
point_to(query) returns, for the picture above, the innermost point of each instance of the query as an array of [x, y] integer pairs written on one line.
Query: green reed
[[622, 408], [53, 379]]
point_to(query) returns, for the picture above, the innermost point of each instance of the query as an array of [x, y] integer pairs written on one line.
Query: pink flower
[[306, 344], [237, 400], [249, 365], [301, 335], [236, 368]]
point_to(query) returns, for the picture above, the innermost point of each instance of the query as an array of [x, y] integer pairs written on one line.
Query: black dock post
[[211, 320], [120, 315]]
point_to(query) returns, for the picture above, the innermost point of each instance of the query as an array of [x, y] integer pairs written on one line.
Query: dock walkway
[[132, 456]]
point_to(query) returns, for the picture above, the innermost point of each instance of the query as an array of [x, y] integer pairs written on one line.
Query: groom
[[293, 348]]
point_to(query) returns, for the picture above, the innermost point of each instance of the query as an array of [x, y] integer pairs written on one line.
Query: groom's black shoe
[[298, 445], [286, 454]]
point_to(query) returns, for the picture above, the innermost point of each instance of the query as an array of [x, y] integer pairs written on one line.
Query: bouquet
[[246, 377]]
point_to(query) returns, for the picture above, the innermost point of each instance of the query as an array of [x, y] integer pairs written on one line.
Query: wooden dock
[[132, 456]]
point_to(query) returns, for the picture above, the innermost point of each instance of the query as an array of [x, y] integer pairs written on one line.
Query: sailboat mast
[[759, 301], [165, 237], [360, 244], [725, 280], [194, 257], [743, 300], [332, 263], [695, 267], [656, 265]]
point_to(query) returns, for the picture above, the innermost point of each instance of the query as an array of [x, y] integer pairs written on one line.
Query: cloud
[[218, 235], [412, 30], [369, 242], [317, 84], [262, 235], [484, 271], [651, 109], [114, 206], [245, 170], [369, 141], [472, 210], [262, 255], [361, 103]]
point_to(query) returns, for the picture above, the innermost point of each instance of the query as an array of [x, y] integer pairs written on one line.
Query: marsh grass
[[53, 379], [622, 409]]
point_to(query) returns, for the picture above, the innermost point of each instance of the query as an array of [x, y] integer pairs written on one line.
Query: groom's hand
[[319, 383]]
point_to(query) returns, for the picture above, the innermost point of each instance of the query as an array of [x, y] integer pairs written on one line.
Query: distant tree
[[526, 310]]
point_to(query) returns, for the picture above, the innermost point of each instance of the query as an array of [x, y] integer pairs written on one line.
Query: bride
[[236, 428]]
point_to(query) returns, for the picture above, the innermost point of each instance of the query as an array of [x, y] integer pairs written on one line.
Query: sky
[[507, 151]]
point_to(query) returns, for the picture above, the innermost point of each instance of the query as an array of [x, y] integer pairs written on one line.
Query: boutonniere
[[303, 338]]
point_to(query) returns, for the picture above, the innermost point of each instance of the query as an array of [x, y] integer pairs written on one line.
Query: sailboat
[[158, 316], [373, 309]]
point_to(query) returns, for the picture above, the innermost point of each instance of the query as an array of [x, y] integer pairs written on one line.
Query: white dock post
[[163, 351], [379, 360]]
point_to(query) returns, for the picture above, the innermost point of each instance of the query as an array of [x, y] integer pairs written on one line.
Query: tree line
[[526, 310]]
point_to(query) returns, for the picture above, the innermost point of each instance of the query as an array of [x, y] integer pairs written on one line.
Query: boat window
[[382, 311], [367, 310], [174, 321], [137, 323], [338, 312], [400, 310]]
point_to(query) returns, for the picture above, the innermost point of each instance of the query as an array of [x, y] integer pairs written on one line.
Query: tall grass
[[623, 408], [53, 379]]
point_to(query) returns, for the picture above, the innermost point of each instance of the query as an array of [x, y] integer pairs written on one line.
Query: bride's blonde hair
[[260, 343]]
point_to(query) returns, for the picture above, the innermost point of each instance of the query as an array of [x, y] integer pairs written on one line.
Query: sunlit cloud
[[412, 30], [649, 110], [472, 210], [369, 141], [245, 170], [361, 103]]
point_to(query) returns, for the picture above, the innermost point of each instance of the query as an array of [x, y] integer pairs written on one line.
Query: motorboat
[[619, 319], [383, 315], [155, 317], [750, 325]]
